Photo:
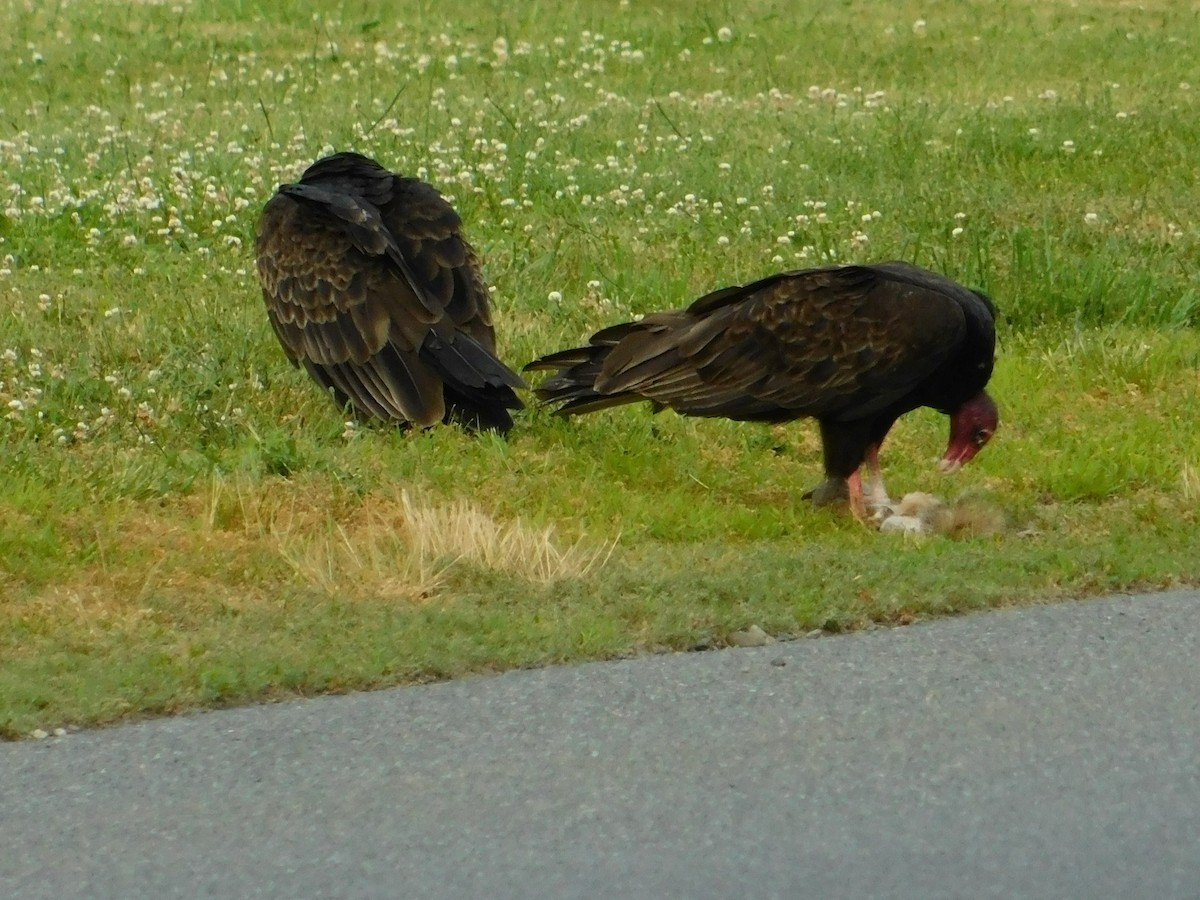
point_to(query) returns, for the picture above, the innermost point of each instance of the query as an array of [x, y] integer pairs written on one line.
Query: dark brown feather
[[852, 346], [370, 285]]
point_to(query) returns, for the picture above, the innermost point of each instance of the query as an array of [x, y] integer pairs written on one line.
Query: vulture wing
[[843, 342]]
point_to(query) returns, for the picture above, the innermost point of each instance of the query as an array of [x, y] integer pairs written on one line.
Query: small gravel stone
[[779, 662], [751, 637]]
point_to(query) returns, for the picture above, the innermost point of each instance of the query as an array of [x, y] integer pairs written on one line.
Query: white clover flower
[[555, 296], [1091, 218], [918, 27], [724, 34], [956, 232]]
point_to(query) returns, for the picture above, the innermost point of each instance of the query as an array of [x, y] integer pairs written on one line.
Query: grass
[[185, 521]]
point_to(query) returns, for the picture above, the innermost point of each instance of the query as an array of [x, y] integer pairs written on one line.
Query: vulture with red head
[[370, 285], [854, 347]]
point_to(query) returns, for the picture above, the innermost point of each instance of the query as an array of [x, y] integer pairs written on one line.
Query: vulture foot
[[830, 492]]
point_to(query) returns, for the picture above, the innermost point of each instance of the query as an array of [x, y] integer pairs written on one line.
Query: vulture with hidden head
[[370, 286], [854, 347]]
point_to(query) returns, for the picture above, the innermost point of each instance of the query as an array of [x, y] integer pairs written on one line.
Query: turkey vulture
[[370, 286], [854, 347]]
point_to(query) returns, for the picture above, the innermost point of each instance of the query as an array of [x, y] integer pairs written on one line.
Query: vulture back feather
[[371, 287]]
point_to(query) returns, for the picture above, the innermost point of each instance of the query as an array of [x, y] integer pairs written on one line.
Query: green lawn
[[185, 520]]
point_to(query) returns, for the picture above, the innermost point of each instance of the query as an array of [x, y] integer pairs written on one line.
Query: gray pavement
[[1035, 753]]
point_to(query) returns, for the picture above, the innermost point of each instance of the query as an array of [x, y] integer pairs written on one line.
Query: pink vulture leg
[[876, 497], [857, 506]]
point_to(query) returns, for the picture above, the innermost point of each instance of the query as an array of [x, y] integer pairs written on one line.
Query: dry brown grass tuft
[[1189, 478], [461, 531], [372, 560], [391, 546]]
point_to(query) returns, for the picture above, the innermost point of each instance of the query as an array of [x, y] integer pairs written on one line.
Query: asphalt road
[[1039, 753]]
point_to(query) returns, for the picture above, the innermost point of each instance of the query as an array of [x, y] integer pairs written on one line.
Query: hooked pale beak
[[950, 466]]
